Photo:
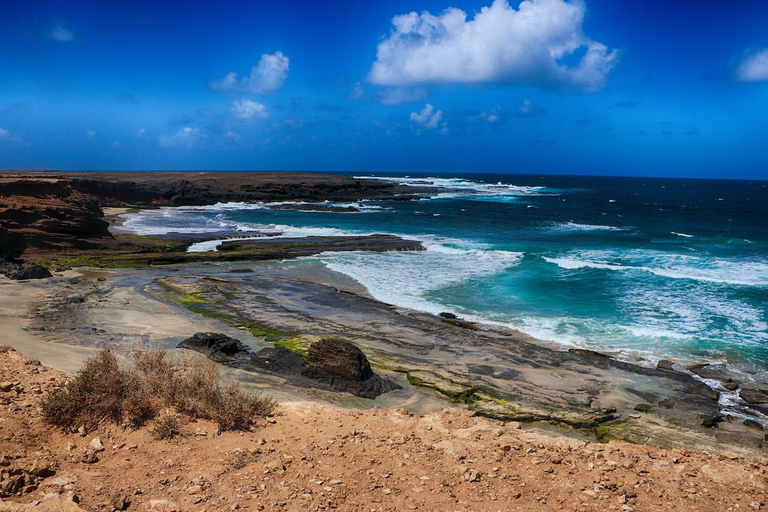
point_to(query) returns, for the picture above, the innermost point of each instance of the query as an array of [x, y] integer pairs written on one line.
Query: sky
[[636, 87]]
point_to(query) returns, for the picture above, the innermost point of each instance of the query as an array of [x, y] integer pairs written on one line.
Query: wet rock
[[665, 365], [450, 316], [643, 407], [712, 421], [705, 371], [753, 424], [753, 396], [29, 271]]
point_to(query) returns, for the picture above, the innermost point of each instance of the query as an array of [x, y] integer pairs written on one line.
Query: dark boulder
[[219, 347], [340, 366], [28, 271], [337, 357], [331, 364]]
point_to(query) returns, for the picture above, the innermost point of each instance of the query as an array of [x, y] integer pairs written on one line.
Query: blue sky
[[637, 87]]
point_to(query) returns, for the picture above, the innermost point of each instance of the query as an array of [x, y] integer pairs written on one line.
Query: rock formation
[[331, 363]]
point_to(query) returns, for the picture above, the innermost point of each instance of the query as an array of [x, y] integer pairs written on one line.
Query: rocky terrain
[[318, 457], [330, 363], [50, 212]]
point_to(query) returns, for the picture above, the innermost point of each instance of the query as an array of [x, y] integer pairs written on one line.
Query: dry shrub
[[102, 391], [167, 427], [95, 394]]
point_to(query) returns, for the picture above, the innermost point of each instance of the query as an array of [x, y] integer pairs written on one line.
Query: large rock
[[331, 364], [29, 271], [340, 366], [215, 345], [336, 357]]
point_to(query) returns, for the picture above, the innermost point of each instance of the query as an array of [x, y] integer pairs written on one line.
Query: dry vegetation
[[151, 387]]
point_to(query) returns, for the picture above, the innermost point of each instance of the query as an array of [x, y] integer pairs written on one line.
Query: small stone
[[96, 445], [119, 502], [6, 386]]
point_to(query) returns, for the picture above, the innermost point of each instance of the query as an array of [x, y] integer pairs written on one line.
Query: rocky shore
[[44, 213], [301, 332]]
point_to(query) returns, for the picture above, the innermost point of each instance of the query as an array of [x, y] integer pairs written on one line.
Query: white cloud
[[185, 138], [753, 68], [116, 144], [499, 45], [266, 76], [429, 119], [248, 110], [489, 116], [61, 32], [91, 134], [140, 132], [398, 95], [5, 135]]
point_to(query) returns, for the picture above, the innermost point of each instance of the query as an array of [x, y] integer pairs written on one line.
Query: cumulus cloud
[[266, 76], [61, 32], [7, 136], [90, 133], [753, 68], [429, 119], [185, 138], [399, 95], [140, 132], [500, 44], [248, 110]]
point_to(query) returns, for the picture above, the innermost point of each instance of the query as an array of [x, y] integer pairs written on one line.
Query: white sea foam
[[466, 189], [745, 272], [362, 206], [570, 227], [406, 278], [684, 235], [271, 231]]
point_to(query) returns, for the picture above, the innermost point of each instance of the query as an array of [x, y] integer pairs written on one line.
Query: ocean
[[646, 269]]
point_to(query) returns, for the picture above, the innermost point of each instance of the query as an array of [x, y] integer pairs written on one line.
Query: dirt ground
[[312, 456]]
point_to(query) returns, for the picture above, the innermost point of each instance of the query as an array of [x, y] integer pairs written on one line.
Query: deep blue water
[[651, 268]]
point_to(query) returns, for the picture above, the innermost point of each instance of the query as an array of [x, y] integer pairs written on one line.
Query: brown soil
[[317, 457]]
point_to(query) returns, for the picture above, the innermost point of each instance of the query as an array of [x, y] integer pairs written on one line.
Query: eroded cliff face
[[47, 214]]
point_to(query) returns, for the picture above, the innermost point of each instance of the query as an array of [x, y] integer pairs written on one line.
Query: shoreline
[[166, 294], [128, 313]]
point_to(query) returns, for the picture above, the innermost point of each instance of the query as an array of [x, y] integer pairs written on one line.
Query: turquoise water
[[649, 268]]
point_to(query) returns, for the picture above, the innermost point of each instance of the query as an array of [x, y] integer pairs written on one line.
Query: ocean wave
[[362, 206], [570, 227], [405, 279], [271, 231], [744, 272], [454, 188]]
